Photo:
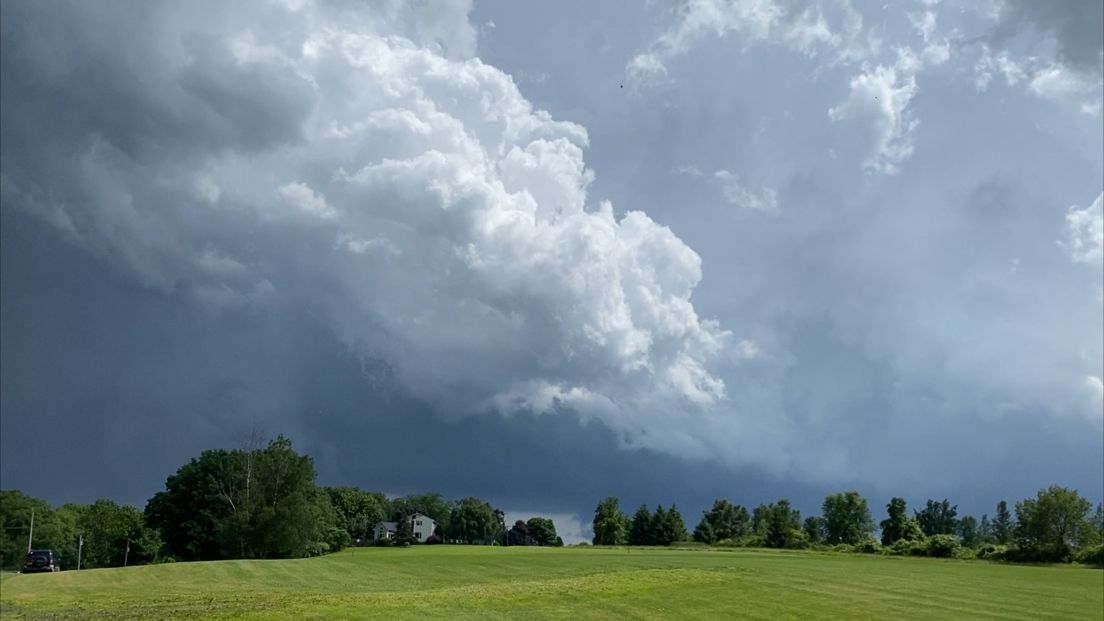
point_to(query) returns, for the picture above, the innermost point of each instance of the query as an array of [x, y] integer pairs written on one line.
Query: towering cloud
[[419, 202]]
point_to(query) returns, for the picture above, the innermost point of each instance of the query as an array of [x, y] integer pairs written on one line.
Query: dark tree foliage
[[247, 503], [108, 529], [759, 519], [968, 532], [404, 532], [543, 532], [1098, 521], [899, 525], [847, 518], [938, 518], [430, 504], [519, 535], [640, 530], [815, 530], [610, 524], [474, 521], [723, 521], [1002, 524], [668, 527], [703, 533], [15, 520], [781, 525], [114, 535], [985, 529], [357, 511]]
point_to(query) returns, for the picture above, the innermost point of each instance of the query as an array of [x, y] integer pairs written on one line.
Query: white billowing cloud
[[744, 198], [423, 205], [833, 29], [1085, 230], [877, 106]]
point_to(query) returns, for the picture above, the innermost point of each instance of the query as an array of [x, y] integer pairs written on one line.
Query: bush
[[901, 547], [942, 546], [1092, 555], [843, 547], [966, 554], [868, 546], [753, 541], [797, 540], [992, 552]]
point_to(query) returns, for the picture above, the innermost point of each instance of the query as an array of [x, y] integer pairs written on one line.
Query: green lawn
[[455, 582]]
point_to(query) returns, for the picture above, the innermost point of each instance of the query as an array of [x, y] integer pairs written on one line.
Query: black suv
[[41, 560]]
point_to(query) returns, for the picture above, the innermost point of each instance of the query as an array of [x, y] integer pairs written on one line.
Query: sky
[[542, 253]]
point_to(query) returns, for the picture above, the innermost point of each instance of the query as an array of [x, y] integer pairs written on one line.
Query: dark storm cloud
[[218, 218]]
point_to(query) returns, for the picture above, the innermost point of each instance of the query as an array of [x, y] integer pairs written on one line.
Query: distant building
[[421, 525], [386, 530]]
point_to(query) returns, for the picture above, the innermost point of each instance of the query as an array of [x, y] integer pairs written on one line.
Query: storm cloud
[[366, 226]]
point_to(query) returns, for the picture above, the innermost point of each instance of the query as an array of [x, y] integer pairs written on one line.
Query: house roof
[[388, 525]]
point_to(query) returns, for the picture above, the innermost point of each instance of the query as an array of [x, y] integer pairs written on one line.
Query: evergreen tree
[[1002, 524], [674, 529], [985, 529], [640, 531], [782, 524], [657, 524], [968, 531], [404, 535]]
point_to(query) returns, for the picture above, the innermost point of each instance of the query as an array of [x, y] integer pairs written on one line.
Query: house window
[[417, 535], [418, 523]]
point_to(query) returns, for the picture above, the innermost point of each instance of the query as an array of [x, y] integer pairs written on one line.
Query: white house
[[421, 525]]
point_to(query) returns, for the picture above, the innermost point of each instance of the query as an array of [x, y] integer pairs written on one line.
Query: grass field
[[455, 582]]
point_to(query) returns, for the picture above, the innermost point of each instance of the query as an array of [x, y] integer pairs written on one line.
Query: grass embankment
[[451, 582]]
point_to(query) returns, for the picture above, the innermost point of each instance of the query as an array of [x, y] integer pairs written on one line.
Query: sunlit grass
[[450, 582]]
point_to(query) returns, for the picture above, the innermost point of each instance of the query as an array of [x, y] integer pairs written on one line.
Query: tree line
[[258, 501], [1057, 525]]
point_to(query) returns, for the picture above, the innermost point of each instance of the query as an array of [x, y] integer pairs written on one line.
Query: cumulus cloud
[[831, 29], [877, 105], [356, 169], [1085, 231]]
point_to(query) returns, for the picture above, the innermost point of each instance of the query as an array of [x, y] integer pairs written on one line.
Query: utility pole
[[126, 556], [30, 535], [80, 548]]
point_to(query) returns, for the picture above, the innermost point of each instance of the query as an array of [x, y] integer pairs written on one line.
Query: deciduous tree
[[899, 525], [610, 524], [846, 518], [938, 518]]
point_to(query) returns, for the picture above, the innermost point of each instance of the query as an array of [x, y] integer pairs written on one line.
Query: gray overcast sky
[[546, 252]]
